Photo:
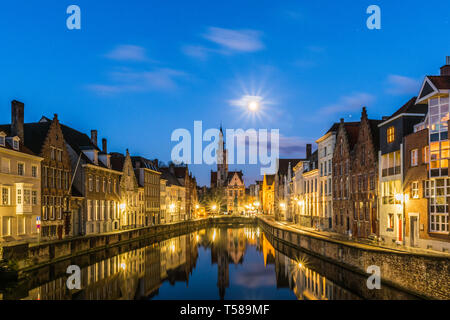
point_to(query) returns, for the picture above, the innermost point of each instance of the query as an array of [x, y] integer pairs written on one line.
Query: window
[[390, 134], [438, 204], [52, 153], [97, 184], [5, 196], [20, 169], [390, 223], [34, 171], [91, 184], [2, 140], [414, 157], [16, 144], [19, 196], [27, 197], [34, 197], [425, 158], [415, 190]]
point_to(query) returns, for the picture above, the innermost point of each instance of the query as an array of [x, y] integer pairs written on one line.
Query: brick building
[[346, 138], [95, 184]]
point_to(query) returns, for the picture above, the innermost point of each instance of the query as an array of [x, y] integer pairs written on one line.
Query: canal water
[[214, 263]]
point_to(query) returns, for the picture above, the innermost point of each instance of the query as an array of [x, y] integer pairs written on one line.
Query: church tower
[[222, 161]]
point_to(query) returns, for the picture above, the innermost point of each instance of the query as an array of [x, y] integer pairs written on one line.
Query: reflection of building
[[228, 247]]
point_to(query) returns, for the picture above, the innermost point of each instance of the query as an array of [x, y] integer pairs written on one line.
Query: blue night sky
[[137, 70]]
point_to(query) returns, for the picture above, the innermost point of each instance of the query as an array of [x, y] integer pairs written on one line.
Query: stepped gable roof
[[352, 130]]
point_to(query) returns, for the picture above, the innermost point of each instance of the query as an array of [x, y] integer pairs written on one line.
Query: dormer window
[[390, 134]]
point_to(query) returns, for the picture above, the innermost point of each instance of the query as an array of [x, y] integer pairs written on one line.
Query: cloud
[[228, 42], [349, 103], [128, 53], [399, 85], [139, 81], [235, 40], [290, 146]]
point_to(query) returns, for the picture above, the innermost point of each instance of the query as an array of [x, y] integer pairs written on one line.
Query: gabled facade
[[235, 193], [95, 189], [364, 170], [20, 190], [129, 191], [325, 147], [346, 138], [392, 160], [268, 194], [148, 177], [429, 227]]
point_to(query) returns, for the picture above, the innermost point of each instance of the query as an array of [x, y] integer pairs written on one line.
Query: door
[[413, 231]]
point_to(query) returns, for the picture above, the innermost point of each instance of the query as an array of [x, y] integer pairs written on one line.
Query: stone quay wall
[[425, 275]]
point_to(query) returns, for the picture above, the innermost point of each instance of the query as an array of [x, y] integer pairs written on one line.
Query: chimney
[[104, 146], [364, 112], [445, 69], [342, 120], [94, 137], [17, 118], [308, 151]]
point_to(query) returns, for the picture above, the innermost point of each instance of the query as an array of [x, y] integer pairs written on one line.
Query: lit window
[[390, 134], [390, 221], [415, 190], [414, 157], [425, 151], [5, 196]]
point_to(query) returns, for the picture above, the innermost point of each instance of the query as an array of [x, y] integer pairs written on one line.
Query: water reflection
[[215, 263]]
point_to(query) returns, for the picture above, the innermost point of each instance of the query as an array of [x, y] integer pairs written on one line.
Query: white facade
[[20, 194], [326, 146]]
